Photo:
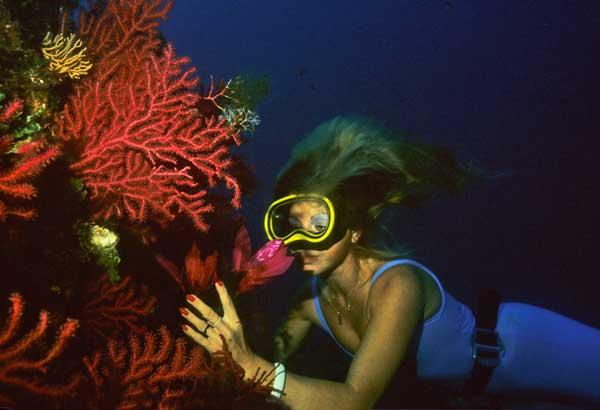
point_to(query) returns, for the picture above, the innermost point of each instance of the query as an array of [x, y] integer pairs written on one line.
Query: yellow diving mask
[[304, 221]]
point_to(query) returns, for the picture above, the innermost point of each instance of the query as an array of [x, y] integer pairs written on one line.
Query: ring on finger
[[218, 320], [206, 328]]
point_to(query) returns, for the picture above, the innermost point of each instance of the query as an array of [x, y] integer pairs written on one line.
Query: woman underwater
[[381, 308]]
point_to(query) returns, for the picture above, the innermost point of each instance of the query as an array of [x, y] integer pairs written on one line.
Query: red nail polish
[[191, 298], [183, 311], [219, 283], [184, 327]]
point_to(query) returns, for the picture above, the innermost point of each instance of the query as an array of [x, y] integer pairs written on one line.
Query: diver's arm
[[290, 335], [397, 304], [293, 330]]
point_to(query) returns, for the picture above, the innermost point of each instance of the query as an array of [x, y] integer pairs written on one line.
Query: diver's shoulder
[[398, 272], [400, 276]]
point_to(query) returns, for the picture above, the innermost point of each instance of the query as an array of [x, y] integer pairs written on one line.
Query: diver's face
[[312, 216]]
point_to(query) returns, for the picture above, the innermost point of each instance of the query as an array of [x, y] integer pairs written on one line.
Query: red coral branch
[[15, 182], [15, 179], [34, 159], [141, 143], [118, 307], [147, 373], [158, 373], [16, 370], [11, 110], [124, 26]]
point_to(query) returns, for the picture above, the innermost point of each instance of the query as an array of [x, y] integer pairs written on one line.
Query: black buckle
[[487, 347]]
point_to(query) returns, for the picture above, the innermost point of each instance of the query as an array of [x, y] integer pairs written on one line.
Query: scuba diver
[[383, 309]]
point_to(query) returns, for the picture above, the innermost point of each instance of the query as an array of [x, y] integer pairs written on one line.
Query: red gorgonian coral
[[161, 372], [19, 163], [113, 308], [141, 146], [144, 374], [20, 361]]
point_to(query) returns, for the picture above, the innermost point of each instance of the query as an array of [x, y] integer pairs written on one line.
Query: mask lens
[[311, 217], [281, 222]]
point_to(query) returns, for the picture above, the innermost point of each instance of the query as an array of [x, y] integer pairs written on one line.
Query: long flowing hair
[[365, 169]]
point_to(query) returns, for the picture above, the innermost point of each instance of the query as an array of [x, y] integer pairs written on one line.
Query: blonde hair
[[364, 169]]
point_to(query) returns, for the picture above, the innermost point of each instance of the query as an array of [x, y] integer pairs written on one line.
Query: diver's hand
[[212, 330]]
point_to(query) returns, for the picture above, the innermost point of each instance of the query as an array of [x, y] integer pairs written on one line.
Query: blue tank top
[[442, 342]]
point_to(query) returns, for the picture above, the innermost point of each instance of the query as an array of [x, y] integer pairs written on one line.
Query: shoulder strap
[[388, 265]]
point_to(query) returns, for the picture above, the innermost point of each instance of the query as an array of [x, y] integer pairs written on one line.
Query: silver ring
[[220, 318]]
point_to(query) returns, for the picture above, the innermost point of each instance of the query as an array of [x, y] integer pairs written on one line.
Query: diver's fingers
[[203, 308], [208, 344], [230, 315], [198, 323]]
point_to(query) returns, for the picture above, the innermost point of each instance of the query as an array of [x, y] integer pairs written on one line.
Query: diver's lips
[[309, 259]]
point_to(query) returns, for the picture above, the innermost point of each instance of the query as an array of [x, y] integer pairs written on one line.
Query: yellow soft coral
[[65, 55]]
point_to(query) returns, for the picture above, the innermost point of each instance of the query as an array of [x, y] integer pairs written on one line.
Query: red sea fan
[[121, 28], [115, 308], [21, 165], [144, 374], [142, 148], [146, 149], [158, 372], [19, 370], [15, 182]]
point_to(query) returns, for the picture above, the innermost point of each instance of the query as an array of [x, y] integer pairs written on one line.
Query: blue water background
[[511, 84]]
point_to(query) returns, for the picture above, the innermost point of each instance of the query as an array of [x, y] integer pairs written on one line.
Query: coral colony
[[131, 147], [30, 158], [133, 125], [17, 368]]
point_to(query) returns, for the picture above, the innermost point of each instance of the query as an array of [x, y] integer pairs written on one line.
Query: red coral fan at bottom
[[147, 375], [161, 373], [19, 370]]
